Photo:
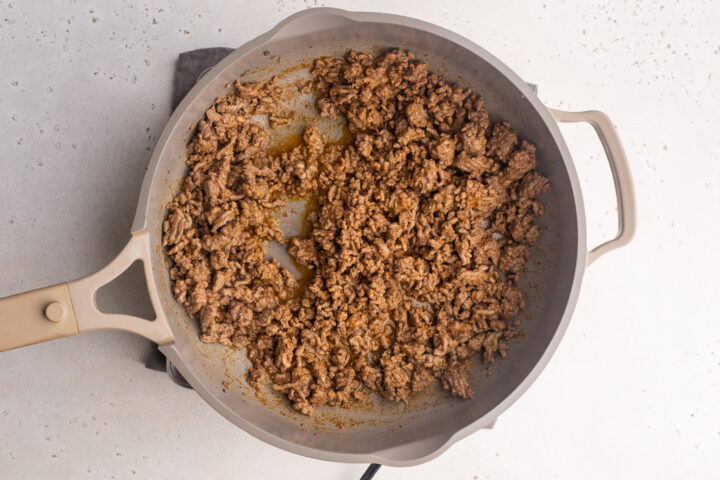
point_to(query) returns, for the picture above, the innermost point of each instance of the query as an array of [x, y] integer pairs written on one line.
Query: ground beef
[[421, 228]]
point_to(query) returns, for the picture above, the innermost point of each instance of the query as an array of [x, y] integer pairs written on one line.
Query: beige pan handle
[[620, 168], [68, 308]]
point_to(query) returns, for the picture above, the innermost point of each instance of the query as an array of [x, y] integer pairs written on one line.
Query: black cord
[[371, 471]]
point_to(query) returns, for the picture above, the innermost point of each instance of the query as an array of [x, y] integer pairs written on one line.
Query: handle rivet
[[55, 312]]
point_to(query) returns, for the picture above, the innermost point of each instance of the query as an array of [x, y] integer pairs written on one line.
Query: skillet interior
[[432, 418]]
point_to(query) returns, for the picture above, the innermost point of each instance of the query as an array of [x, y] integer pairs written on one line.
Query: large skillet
[[389, 434]]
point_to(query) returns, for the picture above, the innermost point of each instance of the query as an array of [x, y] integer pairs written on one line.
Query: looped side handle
[[624, 189], [89, 317]]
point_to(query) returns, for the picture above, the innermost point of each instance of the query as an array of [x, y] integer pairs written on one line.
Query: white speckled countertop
[[632, 392]]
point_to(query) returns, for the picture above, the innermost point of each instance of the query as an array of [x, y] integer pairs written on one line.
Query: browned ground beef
[[422, 227]]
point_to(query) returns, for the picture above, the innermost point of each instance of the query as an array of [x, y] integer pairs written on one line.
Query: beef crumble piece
[[422, 228]]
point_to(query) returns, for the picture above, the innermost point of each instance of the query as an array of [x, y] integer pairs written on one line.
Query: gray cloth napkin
[[193, 65]]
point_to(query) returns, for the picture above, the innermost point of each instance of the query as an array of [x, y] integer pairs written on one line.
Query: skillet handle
[[622, 178], [69, 308], [37, 316]]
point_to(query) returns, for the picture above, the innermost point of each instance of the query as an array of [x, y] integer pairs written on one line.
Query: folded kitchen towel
[[193, 65]]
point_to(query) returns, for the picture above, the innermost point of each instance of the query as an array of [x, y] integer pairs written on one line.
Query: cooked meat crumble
[[421, 229]]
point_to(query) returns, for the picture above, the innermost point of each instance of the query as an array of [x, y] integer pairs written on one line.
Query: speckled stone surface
[[634, 389]]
